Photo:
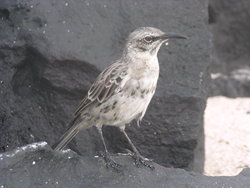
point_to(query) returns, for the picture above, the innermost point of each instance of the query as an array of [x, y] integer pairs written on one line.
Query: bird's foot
[[140, 160], [110, 163]]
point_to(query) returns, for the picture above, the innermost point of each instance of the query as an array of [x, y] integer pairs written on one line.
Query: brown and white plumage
[[107, 84], [123, 90]]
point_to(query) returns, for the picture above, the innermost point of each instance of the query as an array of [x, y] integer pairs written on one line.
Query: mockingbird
[[122, 92]]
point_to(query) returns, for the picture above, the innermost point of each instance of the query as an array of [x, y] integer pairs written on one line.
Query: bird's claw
[[110, 163], [140, 160]]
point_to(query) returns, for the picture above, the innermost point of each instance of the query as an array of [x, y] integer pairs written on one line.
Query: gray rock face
[[51, 52], [38, 166], [229, 23]]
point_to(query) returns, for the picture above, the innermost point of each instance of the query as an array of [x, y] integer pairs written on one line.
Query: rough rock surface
[[51, 51], [230, 68], [38, 166]]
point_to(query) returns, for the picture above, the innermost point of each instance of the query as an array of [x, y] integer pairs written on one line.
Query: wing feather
[[105, 86]]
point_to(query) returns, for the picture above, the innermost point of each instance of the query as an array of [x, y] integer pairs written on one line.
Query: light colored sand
[[227, 135]]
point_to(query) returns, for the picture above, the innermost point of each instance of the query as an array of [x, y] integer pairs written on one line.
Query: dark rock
[[51, 52], [229, 23], [38, 166]]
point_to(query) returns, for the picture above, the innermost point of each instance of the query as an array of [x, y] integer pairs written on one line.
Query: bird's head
[[148, 40]]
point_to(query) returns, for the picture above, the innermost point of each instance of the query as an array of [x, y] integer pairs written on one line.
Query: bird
[[122, 92]]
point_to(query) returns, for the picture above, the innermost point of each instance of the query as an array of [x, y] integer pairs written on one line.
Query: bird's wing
[[109, 82]]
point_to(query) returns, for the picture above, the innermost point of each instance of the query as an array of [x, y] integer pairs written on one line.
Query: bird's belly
[[128, 104]]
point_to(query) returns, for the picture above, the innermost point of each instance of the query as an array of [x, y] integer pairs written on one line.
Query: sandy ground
[[227, 136]]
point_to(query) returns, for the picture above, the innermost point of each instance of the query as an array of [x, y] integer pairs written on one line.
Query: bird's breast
[[144, 68], [132, 100], [130, 103]]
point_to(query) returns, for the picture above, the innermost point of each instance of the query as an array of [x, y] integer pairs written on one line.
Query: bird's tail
[[68, 135]]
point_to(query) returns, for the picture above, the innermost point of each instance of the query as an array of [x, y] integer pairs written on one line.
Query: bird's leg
[[139, 159], [109, 162]]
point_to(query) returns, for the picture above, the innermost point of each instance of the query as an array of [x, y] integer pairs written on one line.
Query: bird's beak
[[167, 36]]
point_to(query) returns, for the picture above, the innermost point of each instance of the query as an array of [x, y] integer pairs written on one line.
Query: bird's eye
[[148, 39]]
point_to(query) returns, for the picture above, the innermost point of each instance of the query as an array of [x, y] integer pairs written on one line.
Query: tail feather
[[68, 135]]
